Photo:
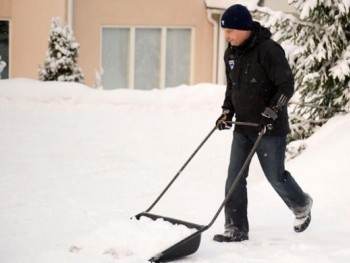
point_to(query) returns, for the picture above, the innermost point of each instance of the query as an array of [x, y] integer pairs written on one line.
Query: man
[[259, 85]]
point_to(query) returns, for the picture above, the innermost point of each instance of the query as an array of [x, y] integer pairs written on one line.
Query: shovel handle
[[181, 169], [191, 157], [243, 123], [239, 176]]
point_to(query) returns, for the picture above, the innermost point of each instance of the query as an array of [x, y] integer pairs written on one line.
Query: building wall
[[29, 31], [280, 5], [90, 15], [30, 20], [5, 8]]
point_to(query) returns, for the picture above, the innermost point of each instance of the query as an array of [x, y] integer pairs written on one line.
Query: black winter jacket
[[258, 76]]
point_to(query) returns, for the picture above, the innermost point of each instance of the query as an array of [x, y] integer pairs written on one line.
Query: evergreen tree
[[61, 58], [317, 43]]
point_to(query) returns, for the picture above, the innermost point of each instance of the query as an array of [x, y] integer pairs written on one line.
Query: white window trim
[[131, 70], [162, 57]]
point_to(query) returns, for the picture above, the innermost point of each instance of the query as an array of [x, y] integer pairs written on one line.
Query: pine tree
[[317, 43], [61, 58]]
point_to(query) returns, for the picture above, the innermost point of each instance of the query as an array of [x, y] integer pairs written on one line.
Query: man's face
[[236, 37]]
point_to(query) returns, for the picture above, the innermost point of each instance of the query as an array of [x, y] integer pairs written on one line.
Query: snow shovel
[[190, 244]]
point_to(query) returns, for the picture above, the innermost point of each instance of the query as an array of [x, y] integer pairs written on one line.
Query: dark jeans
[[271, 154]]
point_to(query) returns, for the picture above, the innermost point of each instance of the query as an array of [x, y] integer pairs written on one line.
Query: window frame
[[163, 39], [8, 62]]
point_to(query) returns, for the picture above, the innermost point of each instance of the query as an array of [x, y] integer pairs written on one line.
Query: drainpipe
[[210, 13], [222, 45], [70, 13]]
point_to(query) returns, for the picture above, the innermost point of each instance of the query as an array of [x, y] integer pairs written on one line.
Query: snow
[[342, 66], [308, 6], [77, 163]]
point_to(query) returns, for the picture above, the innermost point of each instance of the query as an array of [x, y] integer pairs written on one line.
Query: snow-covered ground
[[76, 164]]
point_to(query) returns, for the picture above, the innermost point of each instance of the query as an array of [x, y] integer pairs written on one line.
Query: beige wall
[[90, 15], [29, 31], [5, 8]]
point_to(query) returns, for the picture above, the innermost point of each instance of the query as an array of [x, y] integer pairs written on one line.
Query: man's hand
[[221, 122], [268, 118]]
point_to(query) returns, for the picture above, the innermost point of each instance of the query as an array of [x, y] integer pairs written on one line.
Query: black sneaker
[[302, 220], [231, 236]]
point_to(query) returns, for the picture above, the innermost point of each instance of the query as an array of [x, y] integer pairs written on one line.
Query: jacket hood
[[259, 34]]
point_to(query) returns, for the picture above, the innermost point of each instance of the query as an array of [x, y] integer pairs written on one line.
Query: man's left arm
[[279, 72]]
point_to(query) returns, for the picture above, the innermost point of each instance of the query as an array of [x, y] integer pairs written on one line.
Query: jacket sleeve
[[277, 68]]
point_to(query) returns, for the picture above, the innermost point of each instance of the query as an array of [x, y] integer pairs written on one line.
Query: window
[[4, 49], [146, 58]]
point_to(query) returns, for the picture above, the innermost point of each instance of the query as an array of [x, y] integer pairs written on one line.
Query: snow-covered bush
[[61, 58]]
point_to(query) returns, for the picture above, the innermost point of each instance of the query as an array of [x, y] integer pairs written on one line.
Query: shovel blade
[[183, 248], [173, 221]]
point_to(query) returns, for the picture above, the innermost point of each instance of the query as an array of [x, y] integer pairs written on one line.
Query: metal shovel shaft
[[191, 157], [239, 176], [181, 169], [243, 123]]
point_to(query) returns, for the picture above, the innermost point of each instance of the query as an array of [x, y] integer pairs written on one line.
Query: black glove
[[221, 122], [268, 118]]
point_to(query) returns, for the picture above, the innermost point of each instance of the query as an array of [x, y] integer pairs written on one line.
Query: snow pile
[[78, 163], [75, 93]]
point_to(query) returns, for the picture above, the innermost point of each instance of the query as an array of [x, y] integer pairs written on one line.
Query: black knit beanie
[[237, 17]]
